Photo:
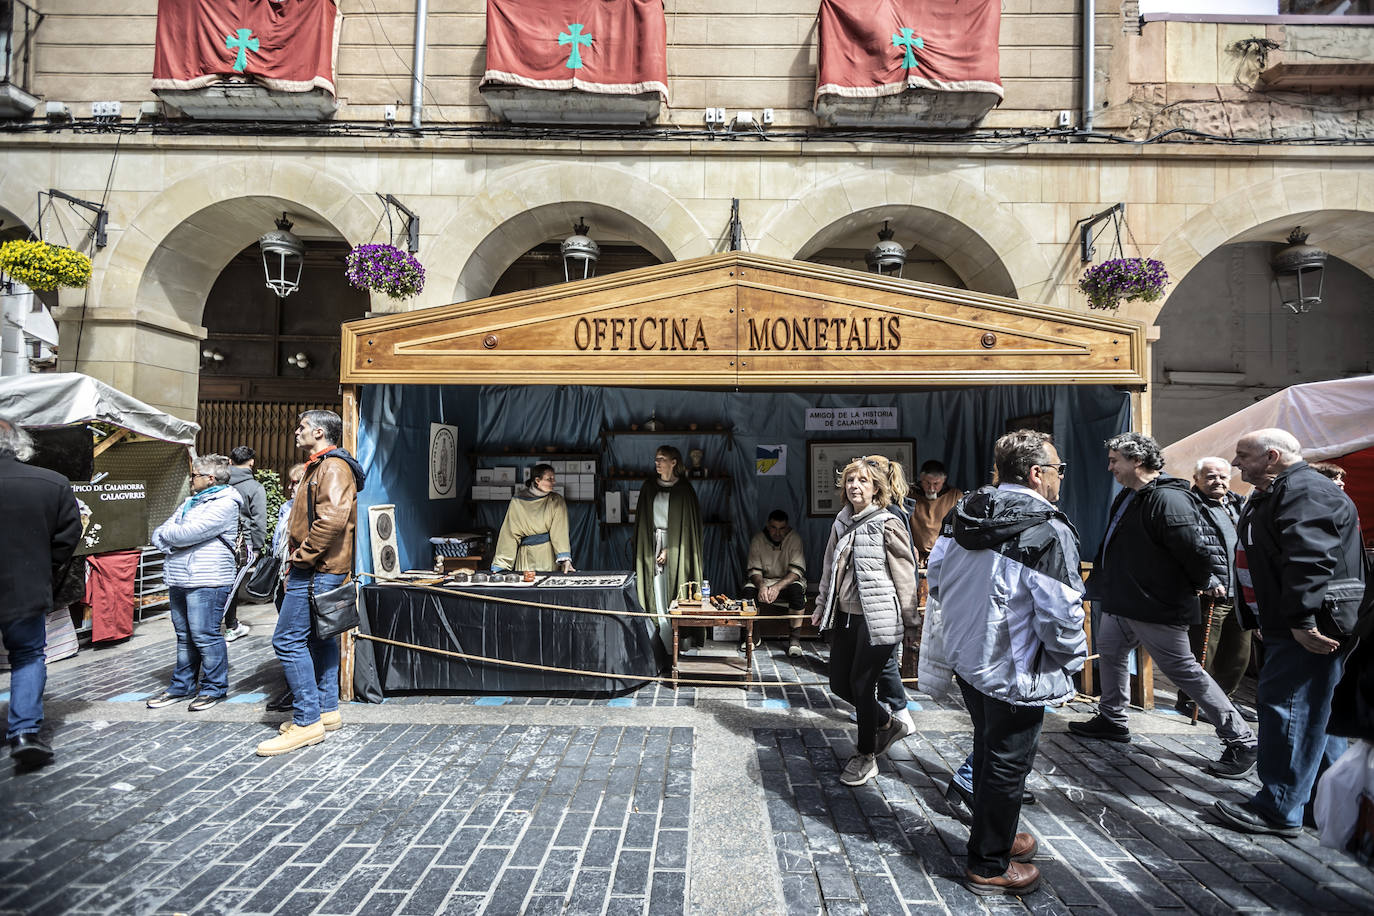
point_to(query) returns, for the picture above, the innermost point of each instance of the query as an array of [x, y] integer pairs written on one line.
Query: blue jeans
[[311, 665], [964, 775], [196, 615], [1294, 704], [25, 640]]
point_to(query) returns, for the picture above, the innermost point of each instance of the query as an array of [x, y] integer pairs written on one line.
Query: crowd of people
[[1189, 571]]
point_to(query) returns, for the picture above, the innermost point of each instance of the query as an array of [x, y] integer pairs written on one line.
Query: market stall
[[127, 463], [769, 373]]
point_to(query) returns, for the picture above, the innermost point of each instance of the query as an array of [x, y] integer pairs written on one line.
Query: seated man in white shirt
[[777, 574]]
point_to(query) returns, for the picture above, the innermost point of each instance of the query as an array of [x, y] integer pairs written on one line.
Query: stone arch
[[528, 206], [1336, 206], [169, 255], [978, 236]]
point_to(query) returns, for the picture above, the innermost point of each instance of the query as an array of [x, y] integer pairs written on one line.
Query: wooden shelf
[[644, 477], [666, 432], [559, 456]]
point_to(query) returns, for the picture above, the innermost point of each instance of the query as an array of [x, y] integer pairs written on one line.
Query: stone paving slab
[[705, 800]]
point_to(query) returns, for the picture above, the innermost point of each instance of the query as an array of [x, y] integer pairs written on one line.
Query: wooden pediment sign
[[740, 320]]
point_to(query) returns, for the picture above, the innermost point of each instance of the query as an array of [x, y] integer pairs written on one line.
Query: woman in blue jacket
[[199, 570]]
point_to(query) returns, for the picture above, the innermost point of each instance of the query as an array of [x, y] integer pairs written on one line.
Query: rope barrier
[[682, 615]]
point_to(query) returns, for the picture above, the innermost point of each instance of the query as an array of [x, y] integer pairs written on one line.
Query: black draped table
[[475, 624]]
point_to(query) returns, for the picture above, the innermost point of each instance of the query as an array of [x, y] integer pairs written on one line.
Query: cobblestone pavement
[[706, 800]]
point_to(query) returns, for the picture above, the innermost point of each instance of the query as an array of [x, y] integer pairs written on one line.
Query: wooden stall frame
[[740, 320]]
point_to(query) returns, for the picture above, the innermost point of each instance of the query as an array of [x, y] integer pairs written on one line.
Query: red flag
[[883, 47], [591, 45], [287, 45]]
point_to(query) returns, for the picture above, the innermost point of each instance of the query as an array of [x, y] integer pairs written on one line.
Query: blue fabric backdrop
[[954, 425]]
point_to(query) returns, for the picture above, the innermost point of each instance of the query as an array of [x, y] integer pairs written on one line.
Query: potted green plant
[[385, 269], [1108, 283], [43, 267]]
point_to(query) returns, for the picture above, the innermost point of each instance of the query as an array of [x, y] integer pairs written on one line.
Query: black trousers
[[1004, 742], [854, 670], [793, 597]]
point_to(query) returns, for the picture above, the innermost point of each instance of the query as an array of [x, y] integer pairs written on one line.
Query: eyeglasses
[[871, 462], [1062, 468]]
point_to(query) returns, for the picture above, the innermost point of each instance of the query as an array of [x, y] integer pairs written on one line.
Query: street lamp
[[580, 254], [887, 257], [1299, 271], [283, 254]]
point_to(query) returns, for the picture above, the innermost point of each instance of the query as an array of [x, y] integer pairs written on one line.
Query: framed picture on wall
[[825, 458]]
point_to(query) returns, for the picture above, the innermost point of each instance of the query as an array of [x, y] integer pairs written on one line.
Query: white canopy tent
[[1330, 420], [49, 400]]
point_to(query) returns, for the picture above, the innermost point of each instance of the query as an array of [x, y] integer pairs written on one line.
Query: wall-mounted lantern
[[1299, 271], [580, 254], [887, 257], [283, 255]]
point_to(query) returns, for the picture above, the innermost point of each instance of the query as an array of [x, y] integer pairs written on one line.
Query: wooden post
[[348, 641]]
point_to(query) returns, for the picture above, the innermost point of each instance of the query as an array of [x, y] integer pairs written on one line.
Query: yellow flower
[[41, 266]]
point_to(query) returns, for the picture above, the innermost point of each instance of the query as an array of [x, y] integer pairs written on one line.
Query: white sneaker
[[237, 632], [904, 716]]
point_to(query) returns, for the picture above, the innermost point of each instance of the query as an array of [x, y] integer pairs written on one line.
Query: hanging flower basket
[[44, 267], [1108, 283], [385, 269]]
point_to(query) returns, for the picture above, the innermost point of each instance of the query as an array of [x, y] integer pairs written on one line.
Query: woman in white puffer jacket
[[867, 597], [199, 570]]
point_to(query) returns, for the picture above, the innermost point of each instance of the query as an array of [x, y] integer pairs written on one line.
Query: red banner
[[287, 45], [594, 45], [883, 47]]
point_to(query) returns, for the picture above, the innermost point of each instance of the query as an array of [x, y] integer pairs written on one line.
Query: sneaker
[[332, 722], [794, 648], [1184, 707], [1019, 878], [895, 730], [237, 632], [1247, 713], [1098, 727], [202, 702], [1244, 818], [904, 716], [859, 770], [295, 736], [164, 699], [1237, 762]]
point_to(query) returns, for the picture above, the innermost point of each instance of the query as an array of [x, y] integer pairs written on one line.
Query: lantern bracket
[[102, 216], [412, 221]]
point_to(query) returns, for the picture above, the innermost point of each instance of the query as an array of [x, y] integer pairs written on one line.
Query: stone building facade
[[1266, 127]]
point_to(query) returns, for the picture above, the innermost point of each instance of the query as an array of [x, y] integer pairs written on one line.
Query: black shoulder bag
[[335, 611]]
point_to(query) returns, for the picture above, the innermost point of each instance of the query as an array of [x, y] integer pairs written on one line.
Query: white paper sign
[[844, 419], [770, 460], [443, 461]]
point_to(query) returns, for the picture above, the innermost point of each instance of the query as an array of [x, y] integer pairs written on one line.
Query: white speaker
[[381, 526]]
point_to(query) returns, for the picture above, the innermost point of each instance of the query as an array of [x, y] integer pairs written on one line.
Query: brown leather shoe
[[1023, 848], [1018, 879]]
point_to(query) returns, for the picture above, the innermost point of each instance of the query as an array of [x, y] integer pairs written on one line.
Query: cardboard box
[[559, 466], [479, 492], [484, 475], [613, 506], [503, 475], [585, 467], [633, 497], [501, 493]]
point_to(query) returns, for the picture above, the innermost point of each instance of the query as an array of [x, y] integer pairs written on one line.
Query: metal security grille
[[269, 428]]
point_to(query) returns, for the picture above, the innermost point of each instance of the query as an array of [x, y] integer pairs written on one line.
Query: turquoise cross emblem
[[904, 39], [244, 44], [575, 38]]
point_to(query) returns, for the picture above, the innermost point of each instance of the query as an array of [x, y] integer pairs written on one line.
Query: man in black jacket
[[1152, 565], [1298, 533], [38, 538]]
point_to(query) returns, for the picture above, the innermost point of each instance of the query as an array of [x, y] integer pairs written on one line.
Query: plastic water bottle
[[705, 591]]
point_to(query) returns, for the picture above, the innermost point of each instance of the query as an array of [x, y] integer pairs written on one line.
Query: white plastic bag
[[1336, 805], [934, 676]]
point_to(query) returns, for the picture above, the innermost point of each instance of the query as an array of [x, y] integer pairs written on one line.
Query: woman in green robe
[[535, 532], [667, 538]]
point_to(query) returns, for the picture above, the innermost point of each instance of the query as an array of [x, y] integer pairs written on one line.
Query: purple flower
[[385, 269]]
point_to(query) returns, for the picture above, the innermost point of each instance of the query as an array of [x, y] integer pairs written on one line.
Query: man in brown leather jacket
[[320, 531]]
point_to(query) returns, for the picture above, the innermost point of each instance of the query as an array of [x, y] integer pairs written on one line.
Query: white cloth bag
[[1336, 806]]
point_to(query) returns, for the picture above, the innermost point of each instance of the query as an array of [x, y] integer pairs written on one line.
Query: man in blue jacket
[[1153, 564], [1005, 570], [1298, 533]]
